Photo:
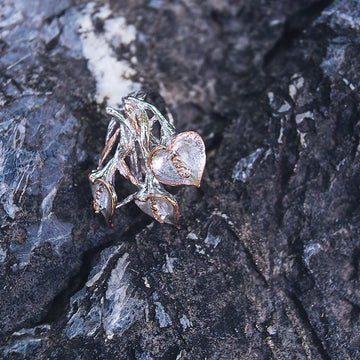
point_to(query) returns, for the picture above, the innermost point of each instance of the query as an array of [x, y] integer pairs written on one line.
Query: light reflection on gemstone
[[148, 159]]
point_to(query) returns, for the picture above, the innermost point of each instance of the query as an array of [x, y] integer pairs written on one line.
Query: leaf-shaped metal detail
[[182, 162]]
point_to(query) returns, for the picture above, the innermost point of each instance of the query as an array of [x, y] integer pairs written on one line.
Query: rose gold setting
[[152, 160]]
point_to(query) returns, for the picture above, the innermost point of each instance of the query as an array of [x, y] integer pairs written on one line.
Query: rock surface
[[266, 264]]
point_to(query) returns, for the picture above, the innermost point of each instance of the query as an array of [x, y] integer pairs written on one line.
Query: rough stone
[[266, 263]]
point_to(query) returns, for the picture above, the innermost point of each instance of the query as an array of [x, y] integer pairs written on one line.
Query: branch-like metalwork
[[152, 160]]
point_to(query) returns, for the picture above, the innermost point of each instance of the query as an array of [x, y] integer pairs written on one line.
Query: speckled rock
[[266, 263]]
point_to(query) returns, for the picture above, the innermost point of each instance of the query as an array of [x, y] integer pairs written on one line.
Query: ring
[[154, 158]]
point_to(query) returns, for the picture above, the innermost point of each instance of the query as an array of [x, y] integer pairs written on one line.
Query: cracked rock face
[[266, 263]]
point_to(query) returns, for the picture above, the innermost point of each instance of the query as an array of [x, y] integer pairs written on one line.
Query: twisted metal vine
[[153, 159]]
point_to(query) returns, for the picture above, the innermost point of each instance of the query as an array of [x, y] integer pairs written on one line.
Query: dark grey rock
[[266, 264], [113, 311]]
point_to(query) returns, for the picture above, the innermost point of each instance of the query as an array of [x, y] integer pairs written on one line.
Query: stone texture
[[266, 264]]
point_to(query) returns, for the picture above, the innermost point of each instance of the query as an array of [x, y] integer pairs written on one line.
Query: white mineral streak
[[212, 240], [47, 202], [23, 342], [342, 13], [185, 322], [284, 107], [281, 133], [116, 311], [340, 164], [299, 119], [112, 75], [296, 85], [12, 136], [82, 322], [310, 250], [168, 267], [270, 95], [161, 315], [23, 170], [98, 271], [244, 167], [22, 347], [2, 255], [122, 308], [192, 236]]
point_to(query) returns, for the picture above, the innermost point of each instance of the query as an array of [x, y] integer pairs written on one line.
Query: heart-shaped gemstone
[[104, 198], [163, 209], [182, 162]]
